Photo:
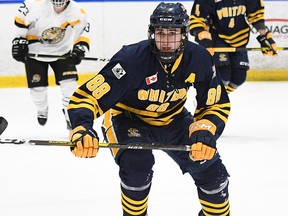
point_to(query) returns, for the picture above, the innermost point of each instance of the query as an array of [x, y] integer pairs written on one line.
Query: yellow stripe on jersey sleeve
[[83, 39], [19, 22], [255, 17], [196, 22], [87, 101], [220, 110], [74, 23]]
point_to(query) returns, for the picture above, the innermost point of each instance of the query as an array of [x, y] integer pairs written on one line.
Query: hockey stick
[[3, 124], [151, 146], [66, 56], [216, 49], [239, 49]]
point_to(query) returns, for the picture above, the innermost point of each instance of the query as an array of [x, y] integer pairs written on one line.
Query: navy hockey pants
[[135, 166]]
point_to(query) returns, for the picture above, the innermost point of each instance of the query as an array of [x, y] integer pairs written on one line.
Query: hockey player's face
[[168, 39], [59, 3]]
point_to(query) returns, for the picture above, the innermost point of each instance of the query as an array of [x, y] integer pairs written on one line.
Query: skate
[[42, 117]]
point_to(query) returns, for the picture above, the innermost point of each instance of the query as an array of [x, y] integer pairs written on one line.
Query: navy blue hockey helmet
[[169, 15]]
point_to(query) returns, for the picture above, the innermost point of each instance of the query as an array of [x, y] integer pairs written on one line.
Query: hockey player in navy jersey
[[142, 91], [226, 23], [50, 27]]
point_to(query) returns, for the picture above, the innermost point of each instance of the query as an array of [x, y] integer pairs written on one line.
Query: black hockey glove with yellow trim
[[204, 39], [85, 141], [20, 49], [268, 44], [203, 142]]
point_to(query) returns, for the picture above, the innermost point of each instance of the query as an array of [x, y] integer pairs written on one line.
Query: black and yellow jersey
[[231, 19], [135, 83]]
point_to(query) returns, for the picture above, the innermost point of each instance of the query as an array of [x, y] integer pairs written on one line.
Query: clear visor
[[59, 3]]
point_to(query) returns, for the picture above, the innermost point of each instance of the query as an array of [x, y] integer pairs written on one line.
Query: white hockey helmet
[[59, 3]]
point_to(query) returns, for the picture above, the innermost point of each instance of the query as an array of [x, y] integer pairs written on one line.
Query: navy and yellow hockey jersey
[[134, 82], [229, 18]]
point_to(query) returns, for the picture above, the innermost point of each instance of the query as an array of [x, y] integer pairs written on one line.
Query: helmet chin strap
[[169, 58]]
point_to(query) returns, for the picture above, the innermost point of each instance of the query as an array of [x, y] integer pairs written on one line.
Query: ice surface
[[46, 181]]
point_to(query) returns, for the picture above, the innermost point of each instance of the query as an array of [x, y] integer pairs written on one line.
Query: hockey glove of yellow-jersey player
[[85, 141], [267, 43], [204, 39], [203, 142], [20, 49], [77, 54]]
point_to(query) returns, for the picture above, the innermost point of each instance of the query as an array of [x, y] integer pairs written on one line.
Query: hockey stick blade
[[101, 145], [3, 124], [65, 57]]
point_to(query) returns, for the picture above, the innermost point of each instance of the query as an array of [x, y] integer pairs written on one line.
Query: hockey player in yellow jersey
[[142, 91], [51, 27]]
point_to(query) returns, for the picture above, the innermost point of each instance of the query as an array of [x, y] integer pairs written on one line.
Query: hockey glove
[[77, 54], [20, 49], [204, 39], [86, 142], [268, 45], [203, 142]]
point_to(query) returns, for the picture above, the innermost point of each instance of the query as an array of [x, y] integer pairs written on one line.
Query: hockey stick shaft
[[216, 49], [239, 49], [65, 56], [101, 145]]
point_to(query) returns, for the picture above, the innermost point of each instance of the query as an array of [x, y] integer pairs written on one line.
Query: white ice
[[46, 181]]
